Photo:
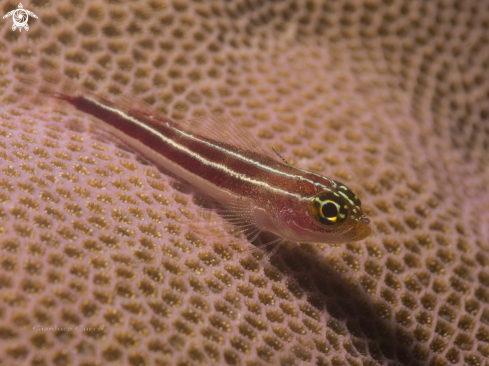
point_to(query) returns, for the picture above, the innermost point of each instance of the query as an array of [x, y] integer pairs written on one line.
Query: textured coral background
[[390, 97]]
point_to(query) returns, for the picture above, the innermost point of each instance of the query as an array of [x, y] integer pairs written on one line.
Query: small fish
[[259, 191]]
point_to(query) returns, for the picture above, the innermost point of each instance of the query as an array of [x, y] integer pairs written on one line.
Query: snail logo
[[20, 17]]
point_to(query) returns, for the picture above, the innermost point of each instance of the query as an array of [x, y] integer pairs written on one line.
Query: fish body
[[261, 192]]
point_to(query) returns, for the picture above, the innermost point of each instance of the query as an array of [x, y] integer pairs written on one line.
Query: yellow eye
[[329, 209]]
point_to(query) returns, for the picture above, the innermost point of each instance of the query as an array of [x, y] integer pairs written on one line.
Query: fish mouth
[[361, 230], [363, 234]]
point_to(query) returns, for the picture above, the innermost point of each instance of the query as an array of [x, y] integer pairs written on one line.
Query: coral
[[100, 260]]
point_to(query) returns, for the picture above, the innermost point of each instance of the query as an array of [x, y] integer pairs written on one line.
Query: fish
[[260, 191]]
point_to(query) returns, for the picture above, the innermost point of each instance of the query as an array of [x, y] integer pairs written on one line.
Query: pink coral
[[99, 262]]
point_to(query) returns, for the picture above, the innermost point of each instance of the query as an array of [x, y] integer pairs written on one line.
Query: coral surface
[[100, 262]]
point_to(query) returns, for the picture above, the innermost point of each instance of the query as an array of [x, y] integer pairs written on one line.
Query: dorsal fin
[[131, 102], [220, 127], [281, 157], [216, 126]]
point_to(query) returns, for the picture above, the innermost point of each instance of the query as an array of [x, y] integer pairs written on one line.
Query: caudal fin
[[39, 84]]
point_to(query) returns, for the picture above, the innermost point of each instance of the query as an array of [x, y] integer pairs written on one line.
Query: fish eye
[[329, 209]]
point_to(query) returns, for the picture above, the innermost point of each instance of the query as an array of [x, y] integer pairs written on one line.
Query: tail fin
[[40, 84]]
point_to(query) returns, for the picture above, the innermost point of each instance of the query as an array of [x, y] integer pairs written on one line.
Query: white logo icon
[[20, 17]]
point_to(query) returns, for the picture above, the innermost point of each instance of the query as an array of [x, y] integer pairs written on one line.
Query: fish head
[[332, 215]]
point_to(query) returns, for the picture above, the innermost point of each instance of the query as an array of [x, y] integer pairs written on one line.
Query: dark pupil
[[329, 209]]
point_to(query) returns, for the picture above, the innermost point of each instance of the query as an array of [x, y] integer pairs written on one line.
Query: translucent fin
[[240, 217], [43, 85], [238, 214], [46, 81], [271, 253], [249, 231], [221, 127], [259, 248], [130, 102], [39, 83], [281, 158]]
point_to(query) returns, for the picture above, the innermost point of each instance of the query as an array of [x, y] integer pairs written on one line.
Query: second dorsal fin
[[220, 127], [130, 102]]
